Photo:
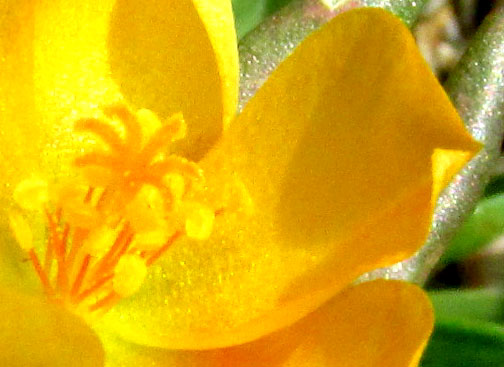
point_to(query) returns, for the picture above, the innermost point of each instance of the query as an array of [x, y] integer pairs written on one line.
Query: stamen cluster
[[131, 202]]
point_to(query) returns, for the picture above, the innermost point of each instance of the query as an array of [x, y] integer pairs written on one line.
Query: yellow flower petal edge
[[380, 323], [218, 19], [178, 56], [341, 153], [36, 333]]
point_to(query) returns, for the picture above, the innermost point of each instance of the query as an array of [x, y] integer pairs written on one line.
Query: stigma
[[130, 201]]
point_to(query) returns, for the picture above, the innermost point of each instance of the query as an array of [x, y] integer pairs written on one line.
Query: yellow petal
[[337, 154], [381, 323], [445, 164], [178, 56], [53, 58], [62, 60], [17, 103], [17, 158], [35, 333]]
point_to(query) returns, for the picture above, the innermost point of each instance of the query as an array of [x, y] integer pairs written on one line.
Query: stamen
[[105, 302], [41, 273], [80, 276], [58, 243], [62, 277], [129, 275], [199, 222], [89, 195], [175, 182], [49, 257], [75, 197], [163, 249], [31, 194], [152, 240], [118, 256], [79, 237], [128, 207], [98, 242], [103, 264], [104, 197], [95, 287]]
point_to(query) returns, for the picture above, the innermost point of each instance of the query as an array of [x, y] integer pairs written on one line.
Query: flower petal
[[380, 323], [16, 92], [178, 56], [36, 333], [342, 153], [48, 63], [54, 70], [61, 60], [21, 138]]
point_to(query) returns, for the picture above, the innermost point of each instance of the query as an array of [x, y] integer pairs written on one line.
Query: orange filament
[[156, 255], [94, 288], [105, 263], [93, 275], [48, 258], [78, 238], [91, 286], [80, 276], [44, 279], [86, 256], [106, 302]]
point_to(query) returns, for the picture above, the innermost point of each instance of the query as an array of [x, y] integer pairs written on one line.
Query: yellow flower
[[133, 198]]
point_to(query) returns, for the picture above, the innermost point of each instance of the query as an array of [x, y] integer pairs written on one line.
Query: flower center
[[130, 203]]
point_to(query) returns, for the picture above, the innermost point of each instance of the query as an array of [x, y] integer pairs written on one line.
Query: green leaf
[[495, 186], [248, 14], [468, 305], [484, 225], [468, 330], [465, 345]]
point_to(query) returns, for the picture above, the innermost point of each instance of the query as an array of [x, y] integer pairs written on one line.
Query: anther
[[129, 275], [199, 221], [31, 194]]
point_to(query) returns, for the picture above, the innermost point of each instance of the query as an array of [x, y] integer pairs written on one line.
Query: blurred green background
[[249, 13]]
